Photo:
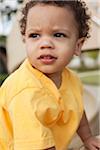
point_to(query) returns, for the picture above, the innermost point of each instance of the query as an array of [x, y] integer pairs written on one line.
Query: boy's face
[[51, 38]]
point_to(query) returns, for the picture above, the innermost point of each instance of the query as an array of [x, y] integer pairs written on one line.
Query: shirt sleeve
[[5, 125]]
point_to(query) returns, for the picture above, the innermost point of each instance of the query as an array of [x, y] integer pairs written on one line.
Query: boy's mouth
[[47, 59]]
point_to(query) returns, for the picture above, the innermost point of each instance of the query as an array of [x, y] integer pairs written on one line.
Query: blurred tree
[[3, 64]]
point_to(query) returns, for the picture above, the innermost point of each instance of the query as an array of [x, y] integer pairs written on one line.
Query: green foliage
[[93, 54], [2, 40], [2, 78], [91, 80]]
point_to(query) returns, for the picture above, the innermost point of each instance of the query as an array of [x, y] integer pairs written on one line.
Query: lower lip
[[47, 61]]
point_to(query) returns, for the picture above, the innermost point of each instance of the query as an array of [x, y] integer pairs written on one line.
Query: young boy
[[41, 103]]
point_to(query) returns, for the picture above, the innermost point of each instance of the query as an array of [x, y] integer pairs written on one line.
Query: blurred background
[[12, 54]]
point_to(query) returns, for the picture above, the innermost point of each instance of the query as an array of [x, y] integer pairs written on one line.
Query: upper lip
[[46, 55]]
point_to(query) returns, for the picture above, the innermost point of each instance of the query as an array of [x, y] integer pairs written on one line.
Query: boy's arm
[[84, 130], [86, 136]]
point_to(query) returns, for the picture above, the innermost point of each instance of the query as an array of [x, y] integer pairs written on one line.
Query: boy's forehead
[[39, 12], [41, 16]]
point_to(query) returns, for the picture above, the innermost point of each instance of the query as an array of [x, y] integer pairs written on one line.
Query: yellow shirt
[[34, 114]]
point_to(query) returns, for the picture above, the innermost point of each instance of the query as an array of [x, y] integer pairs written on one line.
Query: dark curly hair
[[78, 7]]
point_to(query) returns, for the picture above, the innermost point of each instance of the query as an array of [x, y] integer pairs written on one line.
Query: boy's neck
[[56, 78]]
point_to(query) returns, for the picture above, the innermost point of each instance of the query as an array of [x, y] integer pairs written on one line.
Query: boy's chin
[[47, 72]]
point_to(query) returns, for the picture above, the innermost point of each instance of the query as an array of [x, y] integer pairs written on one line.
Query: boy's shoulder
[[18, 81], [72, 74], [74, 78], [22, 77]]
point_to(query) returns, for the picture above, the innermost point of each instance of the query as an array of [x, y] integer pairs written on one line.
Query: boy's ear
[[79, 45]]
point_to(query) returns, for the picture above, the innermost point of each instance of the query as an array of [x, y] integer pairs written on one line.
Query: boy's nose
[[46, 44]]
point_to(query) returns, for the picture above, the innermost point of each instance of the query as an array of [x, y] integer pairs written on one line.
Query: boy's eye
[[59, 35], [34, 35]]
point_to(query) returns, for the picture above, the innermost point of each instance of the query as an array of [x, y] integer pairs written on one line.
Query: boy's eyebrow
[[61, 29], [55, 29], [34, 29]]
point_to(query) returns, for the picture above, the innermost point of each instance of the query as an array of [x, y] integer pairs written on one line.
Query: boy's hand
[[92, 143]]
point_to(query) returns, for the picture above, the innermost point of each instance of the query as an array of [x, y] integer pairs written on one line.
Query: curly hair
[[79, 8]]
